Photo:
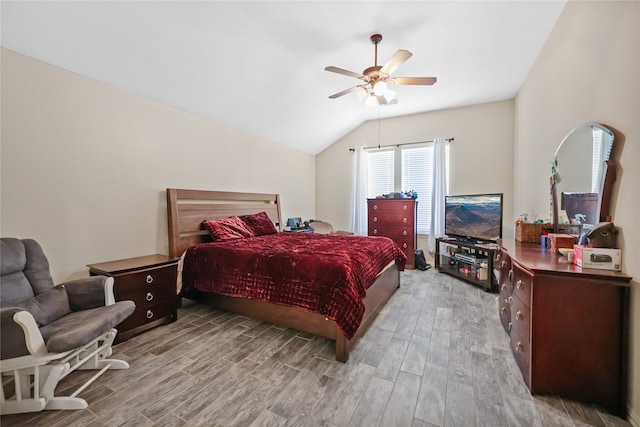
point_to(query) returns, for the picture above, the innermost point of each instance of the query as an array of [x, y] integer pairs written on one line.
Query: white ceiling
[[259, 66]]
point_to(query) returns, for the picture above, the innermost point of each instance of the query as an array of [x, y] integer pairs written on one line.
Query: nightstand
[[150, 282]]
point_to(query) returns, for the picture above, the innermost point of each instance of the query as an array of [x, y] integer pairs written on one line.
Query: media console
[[469, 261]]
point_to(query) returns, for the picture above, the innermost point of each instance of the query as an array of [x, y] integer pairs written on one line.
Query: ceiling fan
[[377, 78]]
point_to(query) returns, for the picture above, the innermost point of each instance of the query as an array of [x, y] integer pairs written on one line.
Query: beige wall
[[480, 156], [85, 165], [588, 71]]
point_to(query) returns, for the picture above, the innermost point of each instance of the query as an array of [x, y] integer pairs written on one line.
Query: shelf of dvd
[[469, 261]]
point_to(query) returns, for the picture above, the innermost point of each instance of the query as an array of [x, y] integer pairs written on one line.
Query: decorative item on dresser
[[568, 326], [396, 219], [150, 282]]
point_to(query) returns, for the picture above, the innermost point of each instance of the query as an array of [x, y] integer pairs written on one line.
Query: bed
[[186, 211]]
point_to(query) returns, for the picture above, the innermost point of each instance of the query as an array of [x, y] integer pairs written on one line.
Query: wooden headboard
[[186, 209]]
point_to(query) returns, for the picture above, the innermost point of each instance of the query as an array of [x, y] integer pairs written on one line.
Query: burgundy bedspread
[[326, 274]]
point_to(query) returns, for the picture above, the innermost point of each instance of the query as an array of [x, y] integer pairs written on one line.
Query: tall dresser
[[396, 219]]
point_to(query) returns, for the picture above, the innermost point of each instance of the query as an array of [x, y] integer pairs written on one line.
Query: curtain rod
[[398, 145]]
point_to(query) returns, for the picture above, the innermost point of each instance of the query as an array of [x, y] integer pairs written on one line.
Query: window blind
[[403, 169]]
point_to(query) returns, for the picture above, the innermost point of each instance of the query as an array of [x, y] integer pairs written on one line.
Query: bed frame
[[186, 210]]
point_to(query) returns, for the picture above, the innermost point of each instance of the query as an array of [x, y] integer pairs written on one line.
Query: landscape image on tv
[[474, 216]]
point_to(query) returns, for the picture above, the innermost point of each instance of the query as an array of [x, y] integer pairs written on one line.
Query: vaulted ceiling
[[259, 66]]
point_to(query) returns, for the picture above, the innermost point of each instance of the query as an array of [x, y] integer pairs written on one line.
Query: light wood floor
[[436, 356]]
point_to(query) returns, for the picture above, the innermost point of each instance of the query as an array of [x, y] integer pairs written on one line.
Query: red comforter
[[326, 274]]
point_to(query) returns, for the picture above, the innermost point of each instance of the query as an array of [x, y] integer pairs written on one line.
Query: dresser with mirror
[[568, 326]]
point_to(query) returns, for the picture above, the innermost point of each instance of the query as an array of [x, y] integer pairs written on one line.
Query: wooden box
[[558, 240]]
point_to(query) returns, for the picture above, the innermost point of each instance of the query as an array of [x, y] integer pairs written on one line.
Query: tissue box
[[600, 258]]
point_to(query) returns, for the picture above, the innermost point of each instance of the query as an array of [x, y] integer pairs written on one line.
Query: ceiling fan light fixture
[[380, 88], [371, 101], [390, 94], [361, 93]]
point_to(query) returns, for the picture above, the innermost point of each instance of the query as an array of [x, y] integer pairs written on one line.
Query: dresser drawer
[[407, 247], [520, 336], [504, 309], [521, 281], [147, 279], [394, 219], [391, 206], [151, 313], [395, 232]]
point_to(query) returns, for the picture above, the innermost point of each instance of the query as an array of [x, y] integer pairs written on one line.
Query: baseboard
[[633, 418]]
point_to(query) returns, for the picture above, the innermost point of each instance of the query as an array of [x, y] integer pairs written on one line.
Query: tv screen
[[474, 217]]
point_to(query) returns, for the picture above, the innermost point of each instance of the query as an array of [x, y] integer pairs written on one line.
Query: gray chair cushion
[[80, 327], [24, 269], [48, 306]]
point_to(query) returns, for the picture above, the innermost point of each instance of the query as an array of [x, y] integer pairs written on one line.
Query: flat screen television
[[474, 217]]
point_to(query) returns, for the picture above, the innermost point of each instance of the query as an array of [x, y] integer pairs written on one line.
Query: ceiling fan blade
[[396, 61], [344, 92], [343, 71], [426, 81]]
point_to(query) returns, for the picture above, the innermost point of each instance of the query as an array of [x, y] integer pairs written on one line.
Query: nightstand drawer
[[147, 279], [147, 297], [149, 314]]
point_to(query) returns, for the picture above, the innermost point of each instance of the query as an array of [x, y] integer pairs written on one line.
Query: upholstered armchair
[[50, 331]]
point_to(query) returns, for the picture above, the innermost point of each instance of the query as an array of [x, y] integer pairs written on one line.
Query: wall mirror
[[583, 175]]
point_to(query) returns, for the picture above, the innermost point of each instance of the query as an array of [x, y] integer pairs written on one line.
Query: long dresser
[[396, 219], [568, 326]]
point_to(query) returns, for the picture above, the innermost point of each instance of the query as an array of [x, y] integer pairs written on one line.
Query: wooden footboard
[[377, 295]]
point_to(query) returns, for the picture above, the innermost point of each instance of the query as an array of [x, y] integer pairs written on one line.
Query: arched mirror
[[582, 176]]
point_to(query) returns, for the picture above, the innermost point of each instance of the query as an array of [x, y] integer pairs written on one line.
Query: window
[[401, 169], [597, 159]]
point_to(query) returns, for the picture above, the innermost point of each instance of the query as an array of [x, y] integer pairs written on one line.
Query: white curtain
[[439, 191], [360, 201]]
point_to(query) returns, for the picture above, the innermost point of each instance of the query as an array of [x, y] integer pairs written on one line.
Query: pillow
[[227, 229], [48, 306], [259, 223]]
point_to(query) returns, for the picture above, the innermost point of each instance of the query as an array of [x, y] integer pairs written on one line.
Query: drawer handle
[[510, 300], [404, 219], [503, 310], [149, 279], [404, 233], [520, 284], [404, 207], [149, 314], [511, 275], [519, 315], [149, 296], [519, 346], [375, 219], [375, 231], [503, 264], [375, 207], [404, 245], [504, 287], [509, 325]]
